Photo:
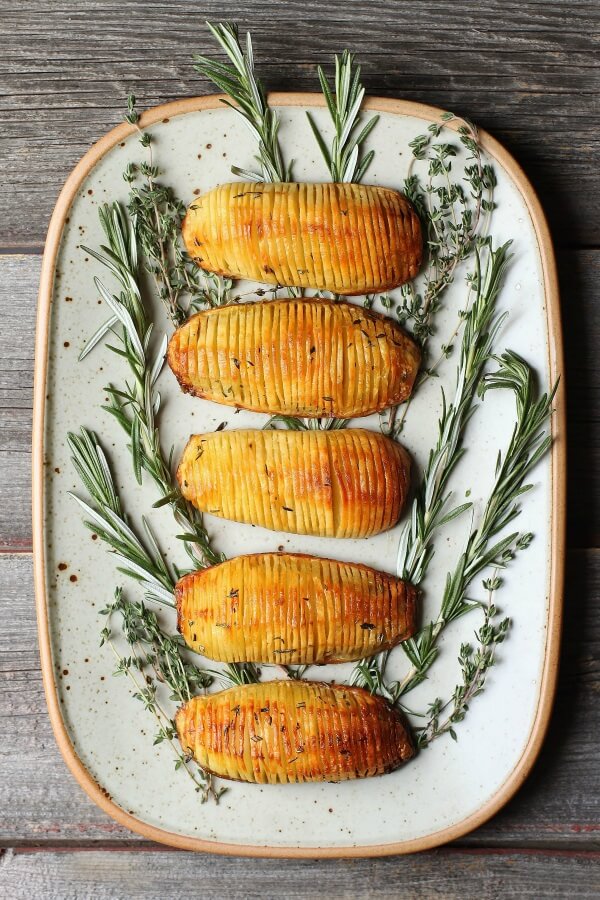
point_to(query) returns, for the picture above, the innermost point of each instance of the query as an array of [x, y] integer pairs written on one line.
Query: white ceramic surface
[[110, 731]]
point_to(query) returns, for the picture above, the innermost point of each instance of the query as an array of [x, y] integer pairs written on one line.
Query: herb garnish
[[136, 403], [344, 105], [529, 442], [240, 83], [157, 215], [157, 659], [455, 217]]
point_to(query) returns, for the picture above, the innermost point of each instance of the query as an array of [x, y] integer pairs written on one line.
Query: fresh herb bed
[[456, 205]]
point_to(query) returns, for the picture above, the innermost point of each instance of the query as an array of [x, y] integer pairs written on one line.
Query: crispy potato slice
[[347, 483], [295, 357], [294, 731], [345, 238]]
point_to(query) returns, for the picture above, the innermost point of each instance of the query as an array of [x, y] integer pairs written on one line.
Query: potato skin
[[348, 483], [296, 357], [345, 238], [293, 608], [288, 732]]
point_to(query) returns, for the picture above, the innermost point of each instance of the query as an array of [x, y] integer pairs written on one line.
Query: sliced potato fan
[[293, 731], [296, 357], [291, 608], [345, 238], [348, 483]]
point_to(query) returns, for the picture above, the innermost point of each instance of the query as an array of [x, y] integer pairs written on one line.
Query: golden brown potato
[[345, 238], [291, 608], [293, 731], [296, 357], [348, 483]]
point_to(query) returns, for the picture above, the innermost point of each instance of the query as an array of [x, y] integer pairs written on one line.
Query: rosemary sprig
[[158, 214], [290, 422], [239, 82], [239, 674], [136, 403], [105, 517], [430, 507], [529, 442], [344, 105], [155, 658]]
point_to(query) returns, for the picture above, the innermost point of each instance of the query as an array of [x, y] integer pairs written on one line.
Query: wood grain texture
[[450, 873], [525, 71], [580, 276], [42, 804], [19, 277]]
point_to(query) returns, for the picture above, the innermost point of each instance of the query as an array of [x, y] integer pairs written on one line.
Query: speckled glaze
[[105, 735]]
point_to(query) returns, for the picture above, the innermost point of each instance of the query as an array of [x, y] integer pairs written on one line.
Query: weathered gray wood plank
[[527, 72], [460, 874], [42, 804], [19, 277], [580, 276]]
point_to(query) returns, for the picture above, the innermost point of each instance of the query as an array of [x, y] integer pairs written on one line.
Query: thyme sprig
[[157, 215], [454, 212], [344, 105], [452, 215], [240, 83], [475, 663], [162, 652], [136, 403], [156, 658]]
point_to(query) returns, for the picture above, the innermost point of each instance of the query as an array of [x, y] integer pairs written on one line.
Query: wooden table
[[527, 72]]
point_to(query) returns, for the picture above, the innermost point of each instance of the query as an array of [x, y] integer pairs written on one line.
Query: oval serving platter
[[104, 735]]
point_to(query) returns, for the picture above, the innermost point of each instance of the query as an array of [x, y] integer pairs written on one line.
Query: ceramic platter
[[106, 736]]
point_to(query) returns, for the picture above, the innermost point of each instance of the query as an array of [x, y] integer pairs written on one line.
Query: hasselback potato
[[345, 238], [296, 357], [293, 731], [347, 483], [292, 608]]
